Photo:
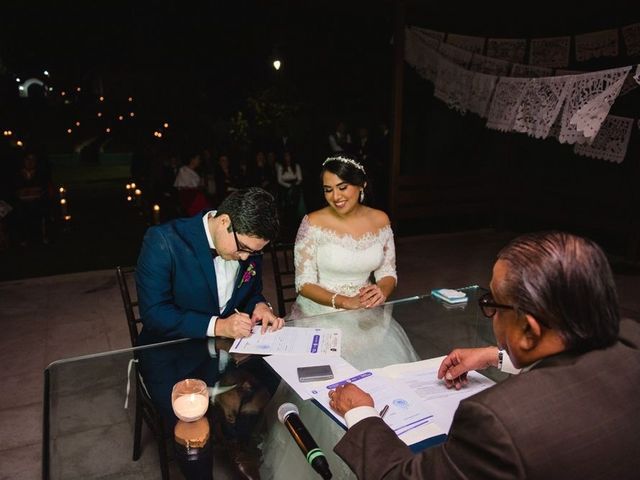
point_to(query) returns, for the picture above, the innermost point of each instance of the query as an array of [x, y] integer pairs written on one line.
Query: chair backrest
[[125, 279], [285, 273]]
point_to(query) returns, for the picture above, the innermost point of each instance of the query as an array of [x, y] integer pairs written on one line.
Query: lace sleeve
[[388, 267], [305, 255]]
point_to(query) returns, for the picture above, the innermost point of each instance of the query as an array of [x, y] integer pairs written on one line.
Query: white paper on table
[[421, 378], [287, 367], [290, 341], [406, 409], [434, 400]]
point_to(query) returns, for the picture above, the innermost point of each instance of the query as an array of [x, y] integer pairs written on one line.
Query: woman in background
[[190, 186]]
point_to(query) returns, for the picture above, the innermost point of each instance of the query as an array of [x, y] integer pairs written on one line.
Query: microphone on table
[[288, 414]]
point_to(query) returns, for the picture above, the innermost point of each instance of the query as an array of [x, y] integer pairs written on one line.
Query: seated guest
[[570, 414], [202, 276]]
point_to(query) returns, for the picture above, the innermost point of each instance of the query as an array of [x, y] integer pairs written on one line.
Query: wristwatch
[[500, 358]]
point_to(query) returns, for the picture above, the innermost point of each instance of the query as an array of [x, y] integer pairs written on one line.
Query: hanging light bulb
[[277, 64]]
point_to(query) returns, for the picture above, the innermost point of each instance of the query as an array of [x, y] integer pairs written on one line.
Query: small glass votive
[[190, 399]]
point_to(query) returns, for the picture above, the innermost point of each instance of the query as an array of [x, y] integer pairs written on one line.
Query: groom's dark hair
[[253, 212]]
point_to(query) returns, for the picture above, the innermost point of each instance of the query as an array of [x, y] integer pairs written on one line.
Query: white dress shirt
[[226, 273]]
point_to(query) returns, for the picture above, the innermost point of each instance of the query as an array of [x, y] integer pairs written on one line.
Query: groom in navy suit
[[201, 277]]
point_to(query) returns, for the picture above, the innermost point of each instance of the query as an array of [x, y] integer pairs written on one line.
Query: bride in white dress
[[338, 251]]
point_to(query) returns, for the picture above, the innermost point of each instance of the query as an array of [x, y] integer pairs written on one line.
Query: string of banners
[[538, 100]]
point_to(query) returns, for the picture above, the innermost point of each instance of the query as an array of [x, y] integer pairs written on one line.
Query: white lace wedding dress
[[370, 338]]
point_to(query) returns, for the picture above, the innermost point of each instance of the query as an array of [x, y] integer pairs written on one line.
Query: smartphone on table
[[315, 373]]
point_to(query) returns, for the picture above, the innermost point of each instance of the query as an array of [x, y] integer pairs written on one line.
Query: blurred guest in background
[[33, 192], [340, 140], [225, 183], [262, 176], [289, 175], [190, 186]]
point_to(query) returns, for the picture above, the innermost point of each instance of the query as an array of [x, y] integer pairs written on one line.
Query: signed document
[[290, 341], [406, 410], [421, 408]]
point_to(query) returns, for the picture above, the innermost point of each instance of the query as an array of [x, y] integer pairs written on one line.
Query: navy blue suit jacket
[[176, 282]]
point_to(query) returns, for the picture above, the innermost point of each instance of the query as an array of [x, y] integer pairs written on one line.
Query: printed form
[[290, 341]]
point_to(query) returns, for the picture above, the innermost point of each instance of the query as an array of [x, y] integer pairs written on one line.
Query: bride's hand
[[351, 303], [371, 296]]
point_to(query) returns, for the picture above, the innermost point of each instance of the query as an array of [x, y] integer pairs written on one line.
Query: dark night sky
[[225, 45], [182, 57]]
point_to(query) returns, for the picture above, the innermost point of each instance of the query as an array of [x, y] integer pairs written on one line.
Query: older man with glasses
[[201, 276], [572, 413]]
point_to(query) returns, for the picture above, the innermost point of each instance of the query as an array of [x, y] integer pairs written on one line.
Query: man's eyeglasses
[[489, 306], [241, 247]]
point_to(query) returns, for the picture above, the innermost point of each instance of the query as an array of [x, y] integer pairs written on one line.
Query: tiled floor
[[49, 318]]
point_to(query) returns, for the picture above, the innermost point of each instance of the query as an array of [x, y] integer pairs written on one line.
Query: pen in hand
[[384, 411]]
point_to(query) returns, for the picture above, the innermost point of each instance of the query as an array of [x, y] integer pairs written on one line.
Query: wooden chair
[[284, 274], [145, 409]]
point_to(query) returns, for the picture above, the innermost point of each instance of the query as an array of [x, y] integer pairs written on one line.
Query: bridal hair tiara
[[345, 160]]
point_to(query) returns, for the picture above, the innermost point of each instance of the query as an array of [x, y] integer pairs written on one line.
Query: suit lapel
[[198, 240], [236, 287]]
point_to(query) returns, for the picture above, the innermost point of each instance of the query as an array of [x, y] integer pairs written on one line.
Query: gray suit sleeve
[[478, 447]]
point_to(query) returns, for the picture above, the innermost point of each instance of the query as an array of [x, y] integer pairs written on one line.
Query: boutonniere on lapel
[[248, 273]]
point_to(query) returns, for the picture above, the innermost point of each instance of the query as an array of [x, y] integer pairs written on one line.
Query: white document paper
[[421, 378], [406, 410], [290, 341], [433, 404], [287, 367]]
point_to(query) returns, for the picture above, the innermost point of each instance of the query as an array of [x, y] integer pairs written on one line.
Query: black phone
[[315, 373]]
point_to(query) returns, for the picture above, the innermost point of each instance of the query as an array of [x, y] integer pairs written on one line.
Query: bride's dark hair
[[349, 170]]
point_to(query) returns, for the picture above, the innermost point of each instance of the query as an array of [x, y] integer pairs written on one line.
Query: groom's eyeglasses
[[241, 247]]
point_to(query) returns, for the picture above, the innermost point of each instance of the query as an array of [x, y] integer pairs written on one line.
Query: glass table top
[[89, 434]]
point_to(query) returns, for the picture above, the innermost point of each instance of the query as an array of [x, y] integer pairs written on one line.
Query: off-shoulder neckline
[[337, 234]]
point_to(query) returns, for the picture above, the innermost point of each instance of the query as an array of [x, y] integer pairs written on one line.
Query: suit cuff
[[357, 414], [211, 329]]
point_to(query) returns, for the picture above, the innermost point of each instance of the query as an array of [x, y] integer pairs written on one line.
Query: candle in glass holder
[[190, 399]]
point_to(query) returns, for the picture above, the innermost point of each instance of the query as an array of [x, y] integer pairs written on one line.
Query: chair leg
[[164, 459], [137, 431]]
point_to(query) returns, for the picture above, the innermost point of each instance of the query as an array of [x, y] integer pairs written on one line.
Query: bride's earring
[[362, 196]]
